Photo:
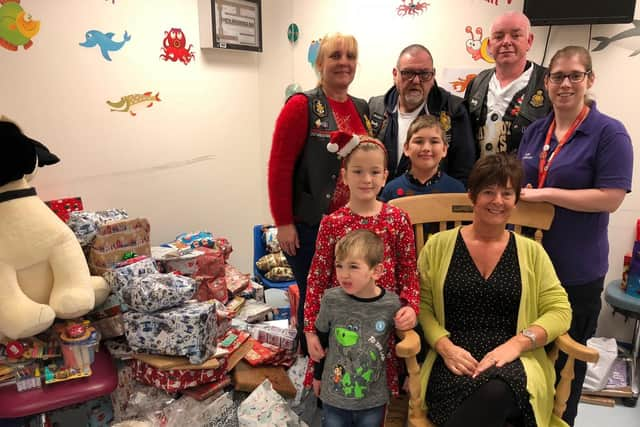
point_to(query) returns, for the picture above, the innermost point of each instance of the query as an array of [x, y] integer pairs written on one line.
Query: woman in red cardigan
[[304, 178]]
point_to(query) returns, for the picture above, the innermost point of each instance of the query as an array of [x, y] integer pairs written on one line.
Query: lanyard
[[544, 164]]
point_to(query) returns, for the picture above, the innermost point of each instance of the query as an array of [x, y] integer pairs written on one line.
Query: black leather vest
[[535, 104], [317, 170]]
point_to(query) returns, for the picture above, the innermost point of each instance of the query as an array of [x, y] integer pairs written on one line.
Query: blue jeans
[[300, 264], [336, 417]]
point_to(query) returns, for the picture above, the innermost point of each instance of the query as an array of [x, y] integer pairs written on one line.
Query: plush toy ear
[[20, 153], [45, 157]]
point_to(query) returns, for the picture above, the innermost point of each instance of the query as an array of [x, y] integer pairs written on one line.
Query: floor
[[588, 416], [599, 416]]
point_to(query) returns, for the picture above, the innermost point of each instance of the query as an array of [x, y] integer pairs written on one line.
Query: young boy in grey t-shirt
[[354, 325]]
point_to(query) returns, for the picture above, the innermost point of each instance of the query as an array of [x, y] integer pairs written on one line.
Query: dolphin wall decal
[[104, 41]]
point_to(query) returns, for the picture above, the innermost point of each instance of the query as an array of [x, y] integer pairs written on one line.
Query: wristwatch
[[531, 335]]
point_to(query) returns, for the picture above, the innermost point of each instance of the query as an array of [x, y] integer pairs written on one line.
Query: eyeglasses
[[424, 76], [574, 77]]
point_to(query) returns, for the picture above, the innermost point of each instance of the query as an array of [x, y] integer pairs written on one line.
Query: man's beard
[[413, 100]]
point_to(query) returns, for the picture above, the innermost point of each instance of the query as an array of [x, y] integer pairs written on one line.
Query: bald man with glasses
[[415, 92]]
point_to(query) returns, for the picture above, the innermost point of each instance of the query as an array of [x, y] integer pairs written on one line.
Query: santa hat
[[342, 143]]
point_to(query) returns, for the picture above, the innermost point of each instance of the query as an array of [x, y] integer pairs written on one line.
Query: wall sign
[[237, 24]]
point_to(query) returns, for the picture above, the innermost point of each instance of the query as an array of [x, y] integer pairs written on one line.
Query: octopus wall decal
[[411, 8], [174, 47]]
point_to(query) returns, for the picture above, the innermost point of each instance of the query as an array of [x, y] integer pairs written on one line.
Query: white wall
[[190, 162], [197, 159]]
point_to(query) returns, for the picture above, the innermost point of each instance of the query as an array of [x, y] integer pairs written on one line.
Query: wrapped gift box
[[123, 273], [209, 287], [236, 280], [211, 263], [115, 239], [85, 224], [63, 207], [157, 291], [188, 331], [174, 380]]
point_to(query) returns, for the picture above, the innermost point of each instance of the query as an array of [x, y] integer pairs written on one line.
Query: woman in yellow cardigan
[[490, 301]]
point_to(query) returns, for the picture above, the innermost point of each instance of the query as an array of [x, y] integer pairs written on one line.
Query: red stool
[[103, 381]]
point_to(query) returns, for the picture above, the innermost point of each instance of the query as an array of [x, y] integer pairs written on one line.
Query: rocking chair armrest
[[567, 345], [409, 344]]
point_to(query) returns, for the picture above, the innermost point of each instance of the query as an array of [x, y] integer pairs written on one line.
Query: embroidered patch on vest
[[537, 100], [376, 122], [445, 121], [321, 124], [367, 124], [319, 108]]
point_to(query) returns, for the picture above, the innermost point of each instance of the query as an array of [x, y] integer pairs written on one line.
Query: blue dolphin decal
[[105, 41]]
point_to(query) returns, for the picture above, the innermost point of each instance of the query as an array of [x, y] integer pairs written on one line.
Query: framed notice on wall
[[237, 24]]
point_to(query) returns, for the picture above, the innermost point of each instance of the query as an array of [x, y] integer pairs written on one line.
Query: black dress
[[480, 315]]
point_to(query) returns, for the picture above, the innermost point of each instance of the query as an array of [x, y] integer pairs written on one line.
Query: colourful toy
[[78, 342], [104, 41], [174, 47], [126, 102], [16, 26], [43, 270], [28, 378]]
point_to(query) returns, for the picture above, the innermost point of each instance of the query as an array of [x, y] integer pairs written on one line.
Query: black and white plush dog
[[43, 272]]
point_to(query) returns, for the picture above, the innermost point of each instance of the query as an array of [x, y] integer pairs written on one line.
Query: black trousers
[[492, 405], [586, 303], [300, 264]]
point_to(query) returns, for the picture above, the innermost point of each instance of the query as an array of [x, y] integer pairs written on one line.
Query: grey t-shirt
[[354, 375]]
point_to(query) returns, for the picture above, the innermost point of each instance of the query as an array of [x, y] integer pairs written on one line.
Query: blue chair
[[260, 250], [629, 307]]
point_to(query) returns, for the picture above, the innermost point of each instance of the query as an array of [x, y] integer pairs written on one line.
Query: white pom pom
[[332, 147]]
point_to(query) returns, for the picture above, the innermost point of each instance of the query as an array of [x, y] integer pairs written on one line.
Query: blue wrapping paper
[[189, 330], [121, 276], [157, 291]]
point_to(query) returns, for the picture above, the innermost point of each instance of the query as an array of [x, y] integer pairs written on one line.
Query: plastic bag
[[598, 373], [217, 411], [266, 408]]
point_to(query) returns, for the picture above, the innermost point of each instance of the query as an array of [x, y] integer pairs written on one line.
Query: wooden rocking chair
[[453, 208]]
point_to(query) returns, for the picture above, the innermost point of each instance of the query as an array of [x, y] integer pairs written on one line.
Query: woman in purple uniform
[[581, 161]]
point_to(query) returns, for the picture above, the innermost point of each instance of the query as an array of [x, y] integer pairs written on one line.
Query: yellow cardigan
[[543, 303]]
